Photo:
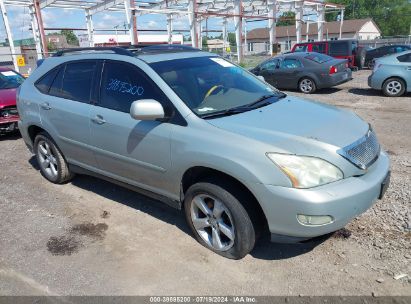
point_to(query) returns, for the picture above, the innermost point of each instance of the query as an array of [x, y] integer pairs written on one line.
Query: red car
[[9, 82], [342, 49]]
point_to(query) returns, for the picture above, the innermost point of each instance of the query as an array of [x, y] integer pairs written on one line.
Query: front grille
[[363, 152], [8, 112]]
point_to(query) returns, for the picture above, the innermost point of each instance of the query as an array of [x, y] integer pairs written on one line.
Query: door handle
[[45, 106], [98, 120], [409, 68]]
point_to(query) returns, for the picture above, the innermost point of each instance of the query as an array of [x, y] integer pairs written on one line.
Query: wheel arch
[[33, 130], [200, 173]]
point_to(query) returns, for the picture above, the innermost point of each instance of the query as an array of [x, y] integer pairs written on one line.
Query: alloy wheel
[[47, 159], [306, 85], [213, 222], [394, 87]]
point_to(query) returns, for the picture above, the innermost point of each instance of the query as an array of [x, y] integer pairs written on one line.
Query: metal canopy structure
[[196, 10]]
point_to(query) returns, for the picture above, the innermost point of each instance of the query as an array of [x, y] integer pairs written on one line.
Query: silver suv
[[202, 134]]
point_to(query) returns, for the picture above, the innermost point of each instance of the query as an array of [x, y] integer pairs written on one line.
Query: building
[[124, 39], [361, 29]]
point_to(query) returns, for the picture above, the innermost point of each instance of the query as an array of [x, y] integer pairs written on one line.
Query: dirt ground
[[90, 237]]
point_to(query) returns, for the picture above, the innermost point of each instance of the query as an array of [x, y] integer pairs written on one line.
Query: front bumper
[[343, 200], [8, 124]]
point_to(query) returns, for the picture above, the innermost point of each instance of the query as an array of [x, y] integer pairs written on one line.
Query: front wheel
[[393, 87], [307, 85], [218, 220]]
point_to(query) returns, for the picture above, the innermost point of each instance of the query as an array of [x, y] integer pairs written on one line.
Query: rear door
[[65, 107], [133, 151]]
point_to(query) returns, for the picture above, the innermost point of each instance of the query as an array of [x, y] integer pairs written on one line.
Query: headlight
[[306, 171]]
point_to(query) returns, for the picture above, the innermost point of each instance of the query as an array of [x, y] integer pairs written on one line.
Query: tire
[[215, 223], [360, 58], [51, 161], [306, 85], [393, 87], [370, 64]]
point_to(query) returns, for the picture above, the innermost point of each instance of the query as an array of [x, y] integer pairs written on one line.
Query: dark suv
[[344, 49]]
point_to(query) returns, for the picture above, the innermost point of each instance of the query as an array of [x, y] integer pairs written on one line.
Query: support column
[[341, 22], [272, 24], [8, 33], [298, 20], [39, 19], [225, 45], [320, 22], [307, 30], [90, 28], [238, 23], [134, 20], [192, 18], [170, 28], [129, 21], [200, 35], [35, 30]]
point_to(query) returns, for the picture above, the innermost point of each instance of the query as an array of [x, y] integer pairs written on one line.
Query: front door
[[287, 74], [133, 151]]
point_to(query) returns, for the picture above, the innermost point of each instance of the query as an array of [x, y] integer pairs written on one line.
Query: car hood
[[7, 97], [291, 120]]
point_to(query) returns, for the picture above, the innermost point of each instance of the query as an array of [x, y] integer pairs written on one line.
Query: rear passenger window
[[404, 58], [77, 81], [123, 83], [55, 88], [340, 48], [290, 64], [44, 83]]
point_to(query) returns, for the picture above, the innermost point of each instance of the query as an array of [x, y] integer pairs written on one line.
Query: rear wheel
[[218, 220], [307, 85], [393, 87], [52, 164]]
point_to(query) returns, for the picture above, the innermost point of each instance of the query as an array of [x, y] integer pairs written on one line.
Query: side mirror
[[147, 109], [261, 78]]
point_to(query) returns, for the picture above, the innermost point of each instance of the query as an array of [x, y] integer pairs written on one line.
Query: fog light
[[314, 220]]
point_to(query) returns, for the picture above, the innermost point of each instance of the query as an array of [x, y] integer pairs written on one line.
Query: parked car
[[392, 74], [9, 82], [203, 135], [344, 49], [372, 54], [306, 72]]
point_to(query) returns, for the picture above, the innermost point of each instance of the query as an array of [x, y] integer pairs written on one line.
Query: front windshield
[[211, 84], [10, 80]]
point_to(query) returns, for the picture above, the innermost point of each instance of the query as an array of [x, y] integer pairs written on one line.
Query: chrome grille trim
[[363, 152]]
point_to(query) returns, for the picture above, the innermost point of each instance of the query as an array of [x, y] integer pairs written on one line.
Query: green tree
[[287, 18], [393, 17], [70, 37]]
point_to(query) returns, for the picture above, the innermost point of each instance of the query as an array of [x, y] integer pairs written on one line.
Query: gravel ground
[[89, 237]]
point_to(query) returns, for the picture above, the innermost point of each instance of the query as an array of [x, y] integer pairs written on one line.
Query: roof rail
[[116, 50], [160, 48]]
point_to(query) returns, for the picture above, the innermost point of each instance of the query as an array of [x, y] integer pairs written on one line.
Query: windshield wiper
[[260, 102], [224, 112]]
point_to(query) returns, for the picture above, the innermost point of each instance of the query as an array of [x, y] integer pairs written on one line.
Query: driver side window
[[123, 83], [270, 65]]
